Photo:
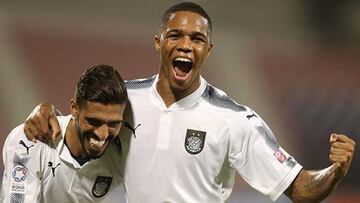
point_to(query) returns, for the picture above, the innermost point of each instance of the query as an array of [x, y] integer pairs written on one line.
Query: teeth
[[182, 59], [97, 143]]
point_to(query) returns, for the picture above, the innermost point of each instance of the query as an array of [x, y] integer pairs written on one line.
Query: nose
[[102, 132], [185, 45]]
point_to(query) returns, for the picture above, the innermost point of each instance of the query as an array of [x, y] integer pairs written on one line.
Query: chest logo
[[53, 167], [101, 186], [194, 141]]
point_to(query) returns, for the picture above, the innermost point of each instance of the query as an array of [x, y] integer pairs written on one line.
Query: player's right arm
[[22, 172], [42, 123]]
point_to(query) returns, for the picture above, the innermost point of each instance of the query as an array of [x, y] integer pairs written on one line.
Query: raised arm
[[42, 123], [316, 185]]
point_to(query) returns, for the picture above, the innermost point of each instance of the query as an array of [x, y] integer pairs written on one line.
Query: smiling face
[[183, 44], [96, 126]]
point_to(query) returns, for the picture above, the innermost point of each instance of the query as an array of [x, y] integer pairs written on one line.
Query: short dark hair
[[103, 84], [185, 6]]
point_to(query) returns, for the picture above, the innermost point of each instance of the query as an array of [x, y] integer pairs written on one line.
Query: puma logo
[[127, 125], [250, 116], [27, 147], [50, 164]]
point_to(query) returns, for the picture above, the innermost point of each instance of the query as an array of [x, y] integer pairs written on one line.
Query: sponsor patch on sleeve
[[280, 156], [18, 188]]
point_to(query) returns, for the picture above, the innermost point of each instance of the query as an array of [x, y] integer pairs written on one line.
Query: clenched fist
[[341, 153]]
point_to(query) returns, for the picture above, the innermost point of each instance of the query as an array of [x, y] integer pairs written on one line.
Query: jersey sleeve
[[21, 178], [258, 158]]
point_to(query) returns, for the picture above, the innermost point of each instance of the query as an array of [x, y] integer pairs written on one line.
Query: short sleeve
[[258, 158], [20, 179]]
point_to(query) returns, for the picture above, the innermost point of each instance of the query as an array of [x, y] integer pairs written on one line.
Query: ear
[[74, 109], [210, 48], [157, 43]]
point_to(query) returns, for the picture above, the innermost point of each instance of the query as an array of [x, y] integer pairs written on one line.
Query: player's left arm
[[316, 185], [22, 169]]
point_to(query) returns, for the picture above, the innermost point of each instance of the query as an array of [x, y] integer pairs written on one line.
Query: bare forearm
[[313, 186]]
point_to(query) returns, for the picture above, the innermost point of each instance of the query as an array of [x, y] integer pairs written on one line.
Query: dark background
[[297, 63]]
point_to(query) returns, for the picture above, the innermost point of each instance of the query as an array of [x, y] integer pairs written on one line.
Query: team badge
[[101, 186], [19, 173], [194, 141]]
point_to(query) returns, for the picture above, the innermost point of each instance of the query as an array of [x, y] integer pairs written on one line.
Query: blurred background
[[297, 63]]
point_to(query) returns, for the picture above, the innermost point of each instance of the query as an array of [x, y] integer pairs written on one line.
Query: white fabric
[[160, 169], [29, 178]]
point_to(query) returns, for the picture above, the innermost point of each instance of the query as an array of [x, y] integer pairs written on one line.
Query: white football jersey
[[37, 172], [191, 151]]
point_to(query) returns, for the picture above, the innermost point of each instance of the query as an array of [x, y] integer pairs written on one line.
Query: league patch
[[101, 186], [19, 173], [194, 141], [280, 155]]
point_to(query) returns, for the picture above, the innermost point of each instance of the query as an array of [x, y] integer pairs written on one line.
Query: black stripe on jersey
[[269, 137], [17, 198], [213, 96], [272, 143], [290, 162], [140, 83], [20, 161]]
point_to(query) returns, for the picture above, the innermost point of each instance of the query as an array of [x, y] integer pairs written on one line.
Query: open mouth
[[182, 66], [96, 143]]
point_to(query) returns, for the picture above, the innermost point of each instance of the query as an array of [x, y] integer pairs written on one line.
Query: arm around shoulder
[[42, 123]]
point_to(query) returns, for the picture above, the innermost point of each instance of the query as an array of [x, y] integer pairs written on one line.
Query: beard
[[84, 137]]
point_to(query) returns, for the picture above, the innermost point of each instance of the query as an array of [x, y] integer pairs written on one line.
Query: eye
[[114, 124], [199, 39], [173, 36], [94, 122]]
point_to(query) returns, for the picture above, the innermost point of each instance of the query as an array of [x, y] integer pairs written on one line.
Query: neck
[[169, 94], [73, 141]]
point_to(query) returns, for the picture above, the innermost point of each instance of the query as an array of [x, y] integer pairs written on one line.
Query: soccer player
[[191, 138], [83, 163]]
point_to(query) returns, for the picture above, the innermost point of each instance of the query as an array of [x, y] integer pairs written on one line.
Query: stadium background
[[297, 63]]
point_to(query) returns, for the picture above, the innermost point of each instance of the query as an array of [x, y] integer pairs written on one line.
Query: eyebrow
[[195, 33], [91, 119]]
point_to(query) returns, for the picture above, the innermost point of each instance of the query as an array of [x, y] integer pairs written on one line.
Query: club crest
[[101, 186], [194, 141]]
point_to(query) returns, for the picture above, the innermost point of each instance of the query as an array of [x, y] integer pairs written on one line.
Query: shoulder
[[219, 99], [17, 144], [140, 83], [15, 136], [239, 116], [19, 152]]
